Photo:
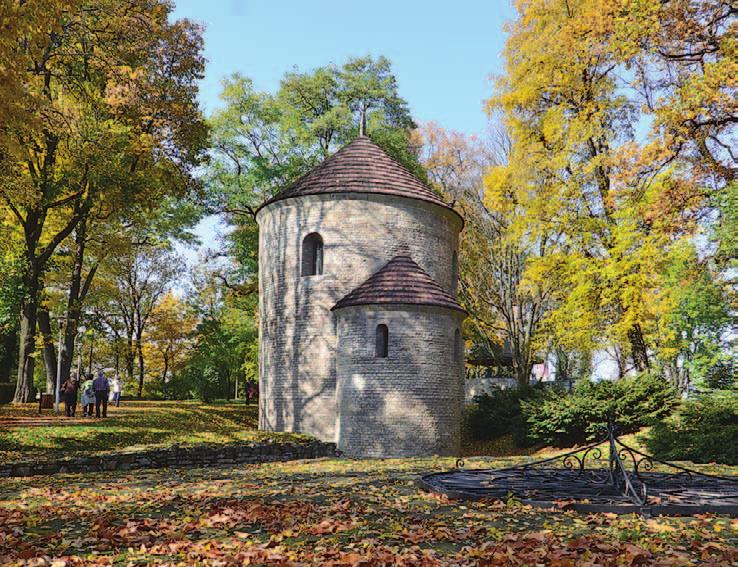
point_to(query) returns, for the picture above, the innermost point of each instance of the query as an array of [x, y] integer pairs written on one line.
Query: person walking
[[102, 389], [88, 397], [69, 389], [251, 392], [116, 388]]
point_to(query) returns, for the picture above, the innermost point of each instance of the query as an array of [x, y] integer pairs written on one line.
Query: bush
[[704, 430], [498, 414], [721, 375], [564, 420]]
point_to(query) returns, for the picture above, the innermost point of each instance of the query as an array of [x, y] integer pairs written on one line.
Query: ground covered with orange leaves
[[327, 512]]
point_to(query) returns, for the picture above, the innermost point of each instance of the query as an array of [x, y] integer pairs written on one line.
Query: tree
[[169, 336], [580, 81], [106, 232], [222, 357], [112, 87], [11, 292], [683, 55], [693, 340], [26, 28], [129, 287], [505, 307]]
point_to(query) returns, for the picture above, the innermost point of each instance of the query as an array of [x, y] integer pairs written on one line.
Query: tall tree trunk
[[166, 366], [116, 354], [44, 325], [129, 354], [92, 350], [25, 391], [78, 288], [622, 363], [139, 350], [638, 349]]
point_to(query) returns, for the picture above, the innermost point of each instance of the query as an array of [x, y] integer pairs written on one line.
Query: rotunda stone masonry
[[360, 331]]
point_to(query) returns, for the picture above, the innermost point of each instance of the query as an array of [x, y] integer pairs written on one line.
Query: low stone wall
[[175, 456]]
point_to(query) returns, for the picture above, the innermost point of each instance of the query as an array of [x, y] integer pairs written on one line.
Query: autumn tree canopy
[[620, 115], [111, 87]]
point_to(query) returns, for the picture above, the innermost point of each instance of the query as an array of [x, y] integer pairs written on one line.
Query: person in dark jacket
[[69, 390], [102, 391]]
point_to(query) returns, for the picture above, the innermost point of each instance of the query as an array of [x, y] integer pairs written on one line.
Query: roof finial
[[402, 250], [362, 123]]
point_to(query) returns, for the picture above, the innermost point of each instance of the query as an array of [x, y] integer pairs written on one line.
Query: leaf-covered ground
[[134, 425], [328, 512]]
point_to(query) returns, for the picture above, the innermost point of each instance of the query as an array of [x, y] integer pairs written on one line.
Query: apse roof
[[400, 281]]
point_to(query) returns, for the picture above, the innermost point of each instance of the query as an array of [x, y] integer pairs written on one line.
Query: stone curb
[[175, 457]]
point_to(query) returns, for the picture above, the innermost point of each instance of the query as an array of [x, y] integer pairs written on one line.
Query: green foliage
[[499, 413], [703, 430], [725, 232], [11, 290], [721, 376], [694, 327], [6, 393], [11, 294], [225, 352], [565, 419]]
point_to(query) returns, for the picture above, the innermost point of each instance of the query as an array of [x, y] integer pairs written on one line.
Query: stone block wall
[[410, 403], [175, 457], [361, 233]]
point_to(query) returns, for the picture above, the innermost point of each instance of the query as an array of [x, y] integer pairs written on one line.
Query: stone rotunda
[[360, 331]]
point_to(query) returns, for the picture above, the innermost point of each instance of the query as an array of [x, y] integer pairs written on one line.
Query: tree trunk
[[25, 391], [116, 354], [166, 367], [92, 349], [44, 325], [77, 293], [638, 349], [139, 350], [521, 360], [522, 373], [129, 354]]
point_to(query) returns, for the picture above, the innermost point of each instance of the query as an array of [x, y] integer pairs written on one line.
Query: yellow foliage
[[607, 205]]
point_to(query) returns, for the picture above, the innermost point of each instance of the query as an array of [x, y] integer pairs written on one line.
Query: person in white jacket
[[115, 390]]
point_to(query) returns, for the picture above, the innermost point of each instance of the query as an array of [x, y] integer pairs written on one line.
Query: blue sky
[[443, 52]]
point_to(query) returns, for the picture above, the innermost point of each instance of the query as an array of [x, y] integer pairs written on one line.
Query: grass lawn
[[134, 425], [327, 512]]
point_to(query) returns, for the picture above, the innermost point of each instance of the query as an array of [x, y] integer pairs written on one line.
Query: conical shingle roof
[[400, 281], [360, 167]]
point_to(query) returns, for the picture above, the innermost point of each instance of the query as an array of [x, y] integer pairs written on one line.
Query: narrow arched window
[[454, 270], [458, 347], [312, 255], [382, 345]]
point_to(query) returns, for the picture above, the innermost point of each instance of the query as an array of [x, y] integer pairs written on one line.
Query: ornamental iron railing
[[627, 481]]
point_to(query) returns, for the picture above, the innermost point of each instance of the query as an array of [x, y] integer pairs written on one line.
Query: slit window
[[312, 255], [382, 342]]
